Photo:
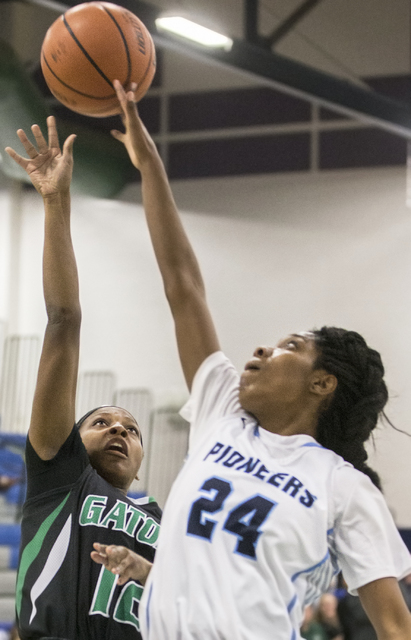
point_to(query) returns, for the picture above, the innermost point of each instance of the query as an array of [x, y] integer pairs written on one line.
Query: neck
[[290, 423]]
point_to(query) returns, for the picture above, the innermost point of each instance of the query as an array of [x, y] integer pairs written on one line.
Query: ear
[[323, 383]]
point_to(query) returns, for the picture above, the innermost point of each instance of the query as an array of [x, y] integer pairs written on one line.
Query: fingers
[[100, 549], [68, 145], [97, 558], [40, 140], [52, 133], [116, 554], [99, 555], [121, 561], [111, 555], [29, 146], [126, 99], [117, 135], [16, 157], [133, 89], [32, 152]]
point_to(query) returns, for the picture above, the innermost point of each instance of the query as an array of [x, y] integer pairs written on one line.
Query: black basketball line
[[86, 95], [149, 63], [125, 45], [82, 49]]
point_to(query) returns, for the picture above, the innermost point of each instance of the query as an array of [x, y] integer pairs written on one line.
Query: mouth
[[118, 446], [250, 369], [252, 365]]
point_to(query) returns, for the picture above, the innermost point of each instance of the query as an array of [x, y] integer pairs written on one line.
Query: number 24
[[243, 521]]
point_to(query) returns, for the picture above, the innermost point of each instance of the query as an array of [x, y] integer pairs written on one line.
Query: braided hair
[[359, 399]]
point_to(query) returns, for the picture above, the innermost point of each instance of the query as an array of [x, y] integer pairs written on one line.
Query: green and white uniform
[[60, 591]]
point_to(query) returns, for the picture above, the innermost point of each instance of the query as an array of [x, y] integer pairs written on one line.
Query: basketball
[[87, 48]]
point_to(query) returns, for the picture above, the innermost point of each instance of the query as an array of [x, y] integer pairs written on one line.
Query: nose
[[263, 352], [118, 429]]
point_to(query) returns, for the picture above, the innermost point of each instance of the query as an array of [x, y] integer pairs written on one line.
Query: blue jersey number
[[244, 521]]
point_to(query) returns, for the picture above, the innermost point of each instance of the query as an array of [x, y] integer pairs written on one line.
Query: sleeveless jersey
[[257, 524], [61, 591]]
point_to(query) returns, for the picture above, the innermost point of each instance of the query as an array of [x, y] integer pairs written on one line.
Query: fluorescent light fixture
[[193, 31]]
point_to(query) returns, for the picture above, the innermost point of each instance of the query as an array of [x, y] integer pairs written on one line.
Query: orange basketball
[[87, 48]]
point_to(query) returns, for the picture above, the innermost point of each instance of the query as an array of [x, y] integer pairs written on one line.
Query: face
[[328, 605], [279, 377], [113, 442]]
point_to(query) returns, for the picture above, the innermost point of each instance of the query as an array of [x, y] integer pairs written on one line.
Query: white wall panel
[[278, 253]]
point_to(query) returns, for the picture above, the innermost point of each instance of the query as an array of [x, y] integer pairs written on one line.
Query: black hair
[[103, 406], [359, 399]]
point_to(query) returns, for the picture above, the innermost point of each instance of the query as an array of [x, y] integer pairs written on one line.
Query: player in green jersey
[[78, 476]]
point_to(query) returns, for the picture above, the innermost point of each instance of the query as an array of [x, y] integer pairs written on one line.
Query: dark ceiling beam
[[251, 15], [289, 23], [285, 75], [304, 82]]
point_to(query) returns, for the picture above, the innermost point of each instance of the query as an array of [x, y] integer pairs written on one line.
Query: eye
[[134, 430], [291, 344], [100, 421]]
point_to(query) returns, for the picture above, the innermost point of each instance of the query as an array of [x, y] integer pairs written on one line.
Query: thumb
[[68, 145], [117, 135]]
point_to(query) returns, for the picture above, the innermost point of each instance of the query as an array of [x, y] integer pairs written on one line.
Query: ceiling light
[[193, 31]]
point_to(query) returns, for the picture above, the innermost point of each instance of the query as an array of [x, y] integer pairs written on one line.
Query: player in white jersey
[[274, 497]]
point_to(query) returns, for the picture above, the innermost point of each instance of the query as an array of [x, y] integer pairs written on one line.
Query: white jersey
[[256, 525]]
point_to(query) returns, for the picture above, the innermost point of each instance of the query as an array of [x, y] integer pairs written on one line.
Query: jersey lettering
[[129, 598], [127, 601], [229, 457], [121, 517], [103, 593], [134, 521], [198, 525], [244, 521], [116, 515], [149, 532], [93, 507]]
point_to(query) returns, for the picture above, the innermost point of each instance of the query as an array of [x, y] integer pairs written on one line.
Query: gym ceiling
[[337, 55]]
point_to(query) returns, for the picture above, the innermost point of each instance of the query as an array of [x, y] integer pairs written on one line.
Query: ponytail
[[358, 400]]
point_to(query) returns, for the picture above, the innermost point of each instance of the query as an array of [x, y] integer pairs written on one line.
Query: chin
[[112, 476]]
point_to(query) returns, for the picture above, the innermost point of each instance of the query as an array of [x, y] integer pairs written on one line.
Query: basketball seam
[[125, 45], [86, 95], [87, 55], [94, 64], [149, 63]]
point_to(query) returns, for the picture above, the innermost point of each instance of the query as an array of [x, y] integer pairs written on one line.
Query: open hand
[[136, 139], [49, 168], [121, 561]]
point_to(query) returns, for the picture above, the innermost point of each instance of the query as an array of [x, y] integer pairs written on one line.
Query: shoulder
[[148, 504], [350, 483], [64, 469], [215, 388], [214, 395], [365, 536], [343, 478]]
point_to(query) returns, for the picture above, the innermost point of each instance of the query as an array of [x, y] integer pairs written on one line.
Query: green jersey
[[61, 591]]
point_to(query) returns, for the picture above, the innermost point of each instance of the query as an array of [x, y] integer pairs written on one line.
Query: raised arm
[[183, 283], [50, 171]]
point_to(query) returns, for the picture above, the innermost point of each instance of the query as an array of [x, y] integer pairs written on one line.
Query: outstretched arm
[[50, 170], [183, 283]]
